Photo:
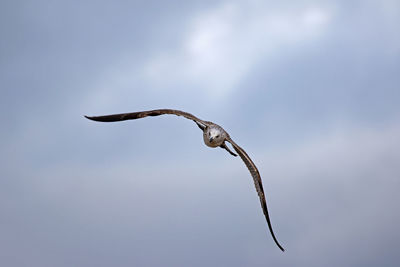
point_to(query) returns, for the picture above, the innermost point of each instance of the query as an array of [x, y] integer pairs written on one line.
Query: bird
[[213, 136]]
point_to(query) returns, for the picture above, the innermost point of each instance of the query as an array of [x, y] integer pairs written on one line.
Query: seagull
[[214, 136]]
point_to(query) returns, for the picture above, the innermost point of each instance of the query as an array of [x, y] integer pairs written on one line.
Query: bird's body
[[214, 136]]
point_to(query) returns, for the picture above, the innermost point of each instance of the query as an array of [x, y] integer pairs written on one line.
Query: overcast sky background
[[309, 88]]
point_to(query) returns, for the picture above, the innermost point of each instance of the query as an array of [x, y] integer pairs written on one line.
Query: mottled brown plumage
[[214, 135]]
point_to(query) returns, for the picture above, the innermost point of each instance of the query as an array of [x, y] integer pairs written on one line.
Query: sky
[[310, 89]]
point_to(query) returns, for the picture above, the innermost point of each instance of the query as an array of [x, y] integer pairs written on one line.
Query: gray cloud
[[308, 89]]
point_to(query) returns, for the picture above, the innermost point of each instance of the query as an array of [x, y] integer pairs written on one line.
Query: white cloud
[[224, 43], [218, 48]]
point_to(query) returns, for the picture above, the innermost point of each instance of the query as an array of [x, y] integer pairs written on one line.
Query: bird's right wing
[[142, 114]]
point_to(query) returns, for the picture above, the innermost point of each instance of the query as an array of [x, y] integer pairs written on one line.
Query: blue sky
[[310, 89]]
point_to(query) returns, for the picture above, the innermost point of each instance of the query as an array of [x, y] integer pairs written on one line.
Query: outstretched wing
[[258, 183], [142, 114]]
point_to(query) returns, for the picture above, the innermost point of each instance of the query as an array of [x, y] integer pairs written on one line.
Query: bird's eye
[[217, 136]]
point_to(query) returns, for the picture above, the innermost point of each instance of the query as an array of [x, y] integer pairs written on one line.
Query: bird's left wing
[[258, 183]]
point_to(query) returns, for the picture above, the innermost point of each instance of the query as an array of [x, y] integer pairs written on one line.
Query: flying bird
[[214, 136]]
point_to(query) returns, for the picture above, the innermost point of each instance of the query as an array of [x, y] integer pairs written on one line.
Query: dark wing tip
[[94, 118], [90, 118]]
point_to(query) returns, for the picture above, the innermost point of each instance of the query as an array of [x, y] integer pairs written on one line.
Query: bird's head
[[214, 136]]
